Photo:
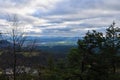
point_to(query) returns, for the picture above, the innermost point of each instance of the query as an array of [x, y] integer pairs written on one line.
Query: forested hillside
[[95, 57]]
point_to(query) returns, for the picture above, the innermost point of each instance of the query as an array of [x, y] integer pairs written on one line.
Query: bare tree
[[17, 36]]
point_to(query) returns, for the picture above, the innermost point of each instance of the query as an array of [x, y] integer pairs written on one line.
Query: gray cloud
[[61, 17]]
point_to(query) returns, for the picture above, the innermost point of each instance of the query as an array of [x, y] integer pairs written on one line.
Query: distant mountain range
[[48, 44], [55, 41], [50, 41], [5, 44]]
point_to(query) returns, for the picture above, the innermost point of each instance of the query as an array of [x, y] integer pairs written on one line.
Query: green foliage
[[97, 55]]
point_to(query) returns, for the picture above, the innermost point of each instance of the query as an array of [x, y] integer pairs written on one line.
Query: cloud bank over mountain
[[65, 18]]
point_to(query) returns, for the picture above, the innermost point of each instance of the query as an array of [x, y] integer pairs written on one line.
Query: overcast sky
[[67, 18]]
